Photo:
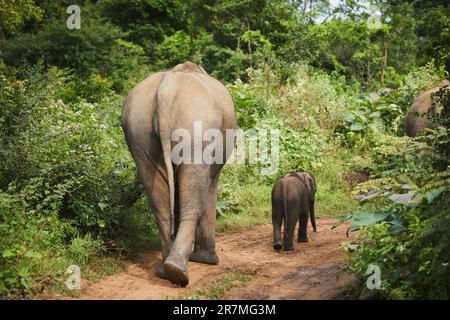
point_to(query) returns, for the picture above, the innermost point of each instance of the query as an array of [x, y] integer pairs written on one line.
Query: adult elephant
[[416, 118], [182, 195]]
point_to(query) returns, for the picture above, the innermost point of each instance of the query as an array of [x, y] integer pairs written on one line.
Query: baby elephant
[[292, 199]]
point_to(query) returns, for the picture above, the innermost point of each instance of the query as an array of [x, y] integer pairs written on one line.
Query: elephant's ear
[[203, 70], [311, 183]]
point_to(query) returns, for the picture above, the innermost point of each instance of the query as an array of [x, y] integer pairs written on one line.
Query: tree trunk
[[249, 46], [385, 60], [238, 47]]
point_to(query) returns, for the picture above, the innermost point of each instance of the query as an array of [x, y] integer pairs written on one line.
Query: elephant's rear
[[163, 103], [137, 117], [416, 119]]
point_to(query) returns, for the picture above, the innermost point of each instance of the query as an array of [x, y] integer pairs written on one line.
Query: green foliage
[[367, 120], [65, 172], [372, 118], [13, 15], [97, 48], [81, 250], [414, 262], [301, 67], [409, 242]]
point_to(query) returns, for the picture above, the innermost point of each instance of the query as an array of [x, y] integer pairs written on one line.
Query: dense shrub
[[413, 257], [65, 173], [366, 119]]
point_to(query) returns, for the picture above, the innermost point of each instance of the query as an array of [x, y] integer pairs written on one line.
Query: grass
[[254, 208], [333, 196], [140, 231], [99, 267], [222, 285]]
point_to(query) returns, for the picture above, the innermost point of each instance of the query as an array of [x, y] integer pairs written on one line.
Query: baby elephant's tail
[[312, 189], [312, 216]]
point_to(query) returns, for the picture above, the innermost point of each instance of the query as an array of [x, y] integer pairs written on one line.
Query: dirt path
[[309, 272]]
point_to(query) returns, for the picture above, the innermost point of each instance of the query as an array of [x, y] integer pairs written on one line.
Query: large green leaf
[[366, 219], [435, 193], [342, 219], [396, 224], [357, 127], [359, 115]]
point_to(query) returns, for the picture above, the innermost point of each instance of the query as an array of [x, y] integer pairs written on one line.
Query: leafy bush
[[374, 117], [365, 120], [408, 240], [413, 253], [81, 250], [65, 172]]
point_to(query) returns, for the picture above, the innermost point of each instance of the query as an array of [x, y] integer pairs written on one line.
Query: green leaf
[[33, 255], [349, 117], [23, 269], [360, 116], [342, 219], [102, 205], [434, 193], [101, 223], [396, 224], [357, 127], [375, 114], [366, 219], [8, 253]]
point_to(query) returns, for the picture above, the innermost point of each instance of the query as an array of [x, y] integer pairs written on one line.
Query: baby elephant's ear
[[311, 183]]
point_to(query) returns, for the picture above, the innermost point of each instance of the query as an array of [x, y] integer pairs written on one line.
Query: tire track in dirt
[[308, 272]]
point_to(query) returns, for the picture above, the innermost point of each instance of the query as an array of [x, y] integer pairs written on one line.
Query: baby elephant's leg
[[302, 227]]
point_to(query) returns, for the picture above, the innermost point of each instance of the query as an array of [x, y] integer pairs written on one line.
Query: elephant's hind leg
[[277, 220], [205, 234], [205, 242], [303, 226], [193, 192], [157, 192]]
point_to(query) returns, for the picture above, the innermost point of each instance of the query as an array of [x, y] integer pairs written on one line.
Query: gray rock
[[372, 192], [384, 90], [374, 96], [405, 199]]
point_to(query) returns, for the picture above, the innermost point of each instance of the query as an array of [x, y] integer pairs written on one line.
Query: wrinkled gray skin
[[182, 197], [292, 200], [416, 119]]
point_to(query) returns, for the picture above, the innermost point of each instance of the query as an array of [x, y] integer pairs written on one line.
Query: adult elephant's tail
[[164, 101], [167, 155]]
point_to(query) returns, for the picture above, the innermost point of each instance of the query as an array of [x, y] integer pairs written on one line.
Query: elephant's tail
[[312, 216], [165, 133], [167, 152]]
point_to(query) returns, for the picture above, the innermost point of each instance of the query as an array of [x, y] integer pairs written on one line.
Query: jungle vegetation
[[311, 69]]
